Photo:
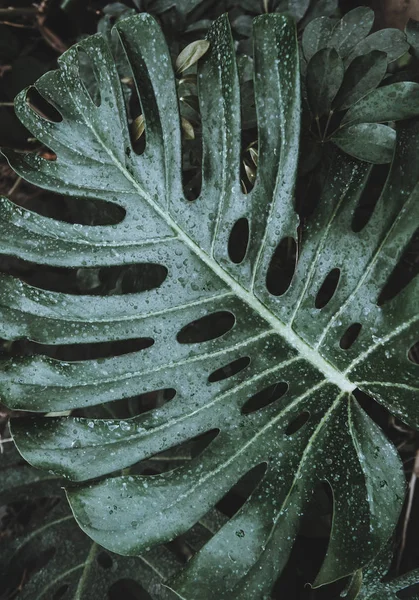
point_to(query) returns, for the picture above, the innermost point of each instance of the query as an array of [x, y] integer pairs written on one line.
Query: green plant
[[48, 556], [350, 98], [372, 584], [263, 328]]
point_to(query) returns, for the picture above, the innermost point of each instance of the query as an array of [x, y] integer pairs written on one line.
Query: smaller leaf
[[138, 126], [191, 101], [412, 35], [316, 36], [189, 79], [325, 73], [191, 54], [250, 172], [352, 29], [187, 129], [370, 142], [362, 76], [390, 103], [391, 41], [254, 155]]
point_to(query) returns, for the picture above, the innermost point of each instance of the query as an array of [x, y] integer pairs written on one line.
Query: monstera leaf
[[263, 351], [373, 583], [52, 558]]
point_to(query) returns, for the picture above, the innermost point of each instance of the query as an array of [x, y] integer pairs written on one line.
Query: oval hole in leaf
[[84, 211], [265, 397], [104, 560], [151, 400], [41, 106], [129, 407], [282, 267], [297, 423], [61, 592], [238, 240], [413, 354], [192, 157], [312, 540], [206, 328], [327, 289], [229, 370], [350, 336], [369, 197], [137, 129], [232, 502], [88, 76], [170, 459], [201, 442], [128, 589], [115, 280], [137, 134], [40, 561], [78, 352]]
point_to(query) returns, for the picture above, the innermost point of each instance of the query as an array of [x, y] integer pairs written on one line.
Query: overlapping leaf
[[52, 558], [313, 430], [373, 582], [344, 68]]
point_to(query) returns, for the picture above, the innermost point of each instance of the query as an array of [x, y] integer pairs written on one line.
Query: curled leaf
[[250, 172], [137, 128], [187, 129], [191, 54], [254, 155]]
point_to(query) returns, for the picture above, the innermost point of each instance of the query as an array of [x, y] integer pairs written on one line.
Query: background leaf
[[71, 565], [325, 73], [393, 102], [352, 29], [412, 36], [316, 36], [362, 76], [391, 41], [371, 142]]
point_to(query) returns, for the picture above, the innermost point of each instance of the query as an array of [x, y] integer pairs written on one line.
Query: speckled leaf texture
[[316, 431]]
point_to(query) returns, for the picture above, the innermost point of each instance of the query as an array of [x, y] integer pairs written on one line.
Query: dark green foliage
[[345, 66], [239, 302]]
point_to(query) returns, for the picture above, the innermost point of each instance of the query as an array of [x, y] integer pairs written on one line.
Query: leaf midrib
[[307, 352]]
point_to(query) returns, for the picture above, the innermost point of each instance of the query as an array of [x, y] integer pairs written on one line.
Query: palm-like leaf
[[288, 340]]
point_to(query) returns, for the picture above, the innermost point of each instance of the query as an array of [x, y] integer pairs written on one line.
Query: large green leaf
[[287, 340]]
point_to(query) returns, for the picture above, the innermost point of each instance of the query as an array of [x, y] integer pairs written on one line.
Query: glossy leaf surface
[[292, 345], [371, 142]]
